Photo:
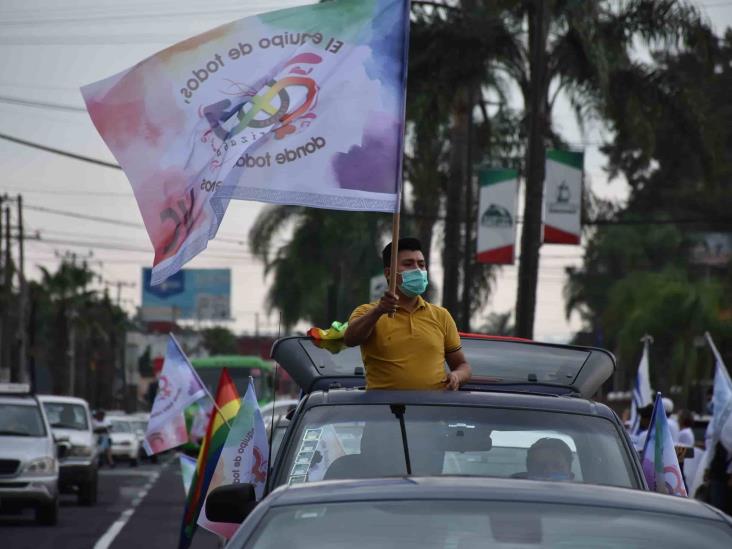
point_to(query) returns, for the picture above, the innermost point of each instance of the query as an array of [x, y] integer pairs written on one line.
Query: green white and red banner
[[497, 215], [563, 197]]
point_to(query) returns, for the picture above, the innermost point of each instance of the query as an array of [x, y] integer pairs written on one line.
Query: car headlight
[[41, 466], [79, 451]]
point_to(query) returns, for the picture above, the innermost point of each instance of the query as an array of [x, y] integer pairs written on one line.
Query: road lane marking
[[106, 540]]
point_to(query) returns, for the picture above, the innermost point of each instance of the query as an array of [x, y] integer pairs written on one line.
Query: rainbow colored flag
[[244, 459], [228, 401]]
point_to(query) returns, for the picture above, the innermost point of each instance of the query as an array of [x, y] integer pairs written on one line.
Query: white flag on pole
[[642, 393], [178, 387], [720, 427]]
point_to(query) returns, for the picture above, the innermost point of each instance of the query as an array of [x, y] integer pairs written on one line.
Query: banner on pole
[[178, 387], [497, 215], [563, 197], [301, 106]]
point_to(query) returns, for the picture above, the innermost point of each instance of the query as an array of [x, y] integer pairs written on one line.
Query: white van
[[71, 423]]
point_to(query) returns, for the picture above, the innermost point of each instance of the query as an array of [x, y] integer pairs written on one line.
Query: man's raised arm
[[359, 329]]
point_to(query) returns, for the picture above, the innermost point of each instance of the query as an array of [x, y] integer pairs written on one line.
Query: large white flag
[[178, 387], [244, 458], [298, 106], [642, 393], [720, 426]]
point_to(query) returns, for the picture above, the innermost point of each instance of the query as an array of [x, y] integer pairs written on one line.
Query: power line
[[104, 15], [60, 152], [38, 190], [86, 217], [40, 104], [111, 221]]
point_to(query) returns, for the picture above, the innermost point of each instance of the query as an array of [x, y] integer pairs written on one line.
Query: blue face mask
[[414, 282]]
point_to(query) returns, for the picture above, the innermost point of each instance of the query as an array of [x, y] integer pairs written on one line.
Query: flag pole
[[400, 170], [710, 341], [198, 378], [394, 246]]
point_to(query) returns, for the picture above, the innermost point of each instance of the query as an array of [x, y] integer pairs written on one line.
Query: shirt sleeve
[[452, 338], [360, 311]]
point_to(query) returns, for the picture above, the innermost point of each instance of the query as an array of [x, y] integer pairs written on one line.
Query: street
[[137, 507]]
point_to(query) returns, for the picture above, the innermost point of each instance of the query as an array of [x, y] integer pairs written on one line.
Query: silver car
[[72, 428], [28, 463]]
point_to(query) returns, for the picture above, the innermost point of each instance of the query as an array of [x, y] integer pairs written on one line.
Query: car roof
[[489, 489], [28, 400], [553, 403], [61, 398], [498, 364]]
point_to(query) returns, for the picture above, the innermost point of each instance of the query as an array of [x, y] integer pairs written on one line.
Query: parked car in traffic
[[28, 455], [71, 424], [125, 439], [468, 513]]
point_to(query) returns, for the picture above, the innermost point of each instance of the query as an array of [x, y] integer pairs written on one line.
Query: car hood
[[25, 448], [74, 436]]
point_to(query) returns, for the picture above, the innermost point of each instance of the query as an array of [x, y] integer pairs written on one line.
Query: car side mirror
[[231, 503]]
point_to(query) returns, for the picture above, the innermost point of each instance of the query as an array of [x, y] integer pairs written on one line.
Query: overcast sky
[[49, 48]]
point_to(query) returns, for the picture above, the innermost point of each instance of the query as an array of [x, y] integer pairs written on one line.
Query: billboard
[[189, 294]]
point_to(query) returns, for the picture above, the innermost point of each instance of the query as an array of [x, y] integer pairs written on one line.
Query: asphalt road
[[137, 507]]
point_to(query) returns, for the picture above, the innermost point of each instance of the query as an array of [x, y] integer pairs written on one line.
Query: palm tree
[[577, 48], [322, 273]]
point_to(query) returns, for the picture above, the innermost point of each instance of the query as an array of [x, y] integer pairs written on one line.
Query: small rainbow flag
[[228, 401]]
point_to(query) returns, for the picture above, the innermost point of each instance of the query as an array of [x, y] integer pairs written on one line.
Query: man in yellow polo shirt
[[407, 351]]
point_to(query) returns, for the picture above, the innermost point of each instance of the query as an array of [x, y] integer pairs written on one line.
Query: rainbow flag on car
[[228, 401], [244, 459], [660, 464]]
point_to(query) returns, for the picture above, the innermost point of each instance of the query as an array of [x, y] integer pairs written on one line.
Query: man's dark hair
[[406, 243], [554, 445]]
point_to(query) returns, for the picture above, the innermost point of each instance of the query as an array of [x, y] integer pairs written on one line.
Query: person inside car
[[549, 459], [408, 350]]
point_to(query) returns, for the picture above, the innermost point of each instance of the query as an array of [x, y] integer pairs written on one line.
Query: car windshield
[[64, 415], [447, 524], [21, 421], [120, 427], [365, 441]]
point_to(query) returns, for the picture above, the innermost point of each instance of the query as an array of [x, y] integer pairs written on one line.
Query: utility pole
[[536, 107], [4, 375], [22, 328], [71, 351], [7, 297], [121, 284]]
